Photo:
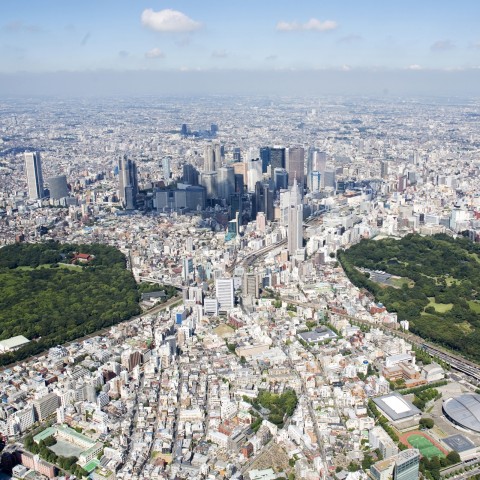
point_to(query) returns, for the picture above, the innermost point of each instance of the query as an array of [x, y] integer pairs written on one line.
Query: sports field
[[426, 447]]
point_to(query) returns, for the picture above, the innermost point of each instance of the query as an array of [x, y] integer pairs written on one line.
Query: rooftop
[[396, 406]]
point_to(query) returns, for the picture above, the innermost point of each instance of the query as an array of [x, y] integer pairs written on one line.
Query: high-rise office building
[[208, 179], [384, 170], [315, 181], [188, 272], [295, 220], [316, 162], [280, 179], [224, 293], [128, 183], [237, 155], [329, 179], [33, 169], [236, 208], [212, 157], [190, 174], [225, 182], [265, 158], [209, 159], [263, 201], [277, 157], [295, 166], [166, 167], [254, 174], [58, 187], [250, 285]]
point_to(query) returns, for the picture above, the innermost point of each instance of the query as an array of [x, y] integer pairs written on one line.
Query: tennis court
[[426, 447]]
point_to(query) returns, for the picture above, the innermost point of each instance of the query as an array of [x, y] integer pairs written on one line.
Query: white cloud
[[168, 21], [155, 53], [311, 25], [414, 67]]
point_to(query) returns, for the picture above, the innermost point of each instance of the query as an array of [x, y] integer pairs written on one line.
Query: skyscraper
[[254, 174], [224, 293], [280, 179], [190, 174], [208, 179], [58, 187], [277, 157], [209, 159], [263, 201], [166, 167], [212, 158], [295, 166], [265, 157], [225, 182], [295, 220], [33, 169], [128, 183], [317, 162]]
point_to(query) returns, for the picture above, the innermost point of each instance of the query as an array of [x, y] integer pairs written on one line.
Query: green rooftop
[[44, 434], [92, 465]]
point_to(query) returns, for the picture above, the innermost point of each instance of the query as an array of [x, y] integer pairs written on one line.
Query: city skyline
[[184, 47]]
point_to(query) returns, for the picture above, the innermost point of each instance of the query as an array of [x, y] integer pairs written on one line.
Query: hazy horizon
[[462, 83]]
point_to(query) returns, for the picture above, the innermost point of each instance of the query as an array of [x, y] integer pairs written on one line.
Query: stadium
[[464, 411]]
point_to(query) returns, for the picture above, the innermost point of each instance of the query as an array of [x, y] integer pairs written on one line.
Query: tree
[[426, 423], [453, 457]]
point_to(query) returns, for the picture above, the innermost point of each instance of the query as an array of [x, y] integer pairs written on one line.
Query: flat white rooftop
[[398, 405]]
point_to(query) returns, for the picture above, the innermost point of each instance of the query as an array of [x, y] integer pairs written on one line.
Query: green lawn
[[439, 307], [474, 305], [47, 265], [426, 447], [400, 282]]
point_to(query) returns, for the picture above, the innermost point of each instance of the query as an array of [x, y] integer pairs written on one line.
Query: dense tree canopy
[[50, 301], [442, 303]]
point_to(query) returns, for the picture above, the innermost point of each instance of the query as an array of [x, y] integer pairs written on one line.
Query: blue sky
[[62, 35]]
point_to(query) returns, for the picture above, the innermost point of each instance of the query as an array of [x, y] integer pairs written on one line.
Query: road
[[251, 258]]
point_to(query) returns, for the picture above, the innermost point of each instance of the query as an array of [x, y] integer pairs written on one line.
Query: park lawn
[[439, 307], [399, 282], [451, 281], [49, 265], [474, 305]]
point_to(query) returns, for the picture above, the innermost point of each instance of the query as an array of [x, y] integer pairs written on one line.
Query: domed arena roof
[[464, 411]]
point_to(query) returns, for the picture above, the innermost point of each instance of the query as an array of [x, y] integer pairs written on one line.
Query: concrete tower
[[33, 169], [295, 220]]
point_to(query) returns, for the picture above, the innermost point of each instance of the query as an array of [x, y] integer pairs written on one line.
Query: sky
[[355, 42]]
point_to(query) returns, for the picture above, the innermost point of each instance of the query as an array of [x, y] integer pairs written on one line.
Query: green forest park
[[436, 285], [52, 295]]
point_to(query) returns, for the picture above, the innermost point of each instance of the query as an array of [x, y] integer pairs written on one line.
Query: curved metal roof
[[464, 410]]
